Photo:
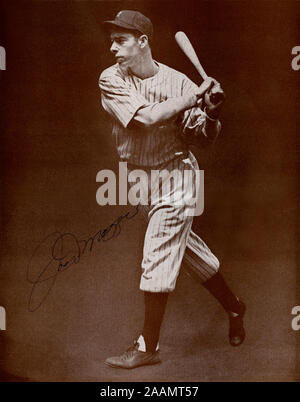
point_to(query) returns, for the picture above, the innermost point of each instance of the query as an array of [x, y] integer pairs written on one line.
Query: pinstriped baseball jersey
[[122, 94], [169, 238]]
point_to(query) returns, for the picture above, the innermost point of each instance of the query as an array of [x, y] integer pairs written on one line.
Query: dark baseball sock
[[155, 306], [217, 286]]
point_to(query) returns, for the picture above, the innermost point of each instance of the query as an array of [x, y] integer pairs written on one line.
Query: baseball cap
[[130, 19]]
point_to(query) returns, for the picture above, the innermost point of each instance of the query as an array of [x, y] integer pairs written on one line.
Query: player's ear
[[143, 41]]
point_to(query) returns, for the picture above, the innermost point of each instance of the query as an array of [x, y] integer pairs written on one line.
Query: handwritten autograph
[[65, 251]]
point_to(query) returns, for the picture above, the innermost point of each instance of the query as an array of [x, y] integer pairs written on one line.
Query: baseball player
[[154, 108]]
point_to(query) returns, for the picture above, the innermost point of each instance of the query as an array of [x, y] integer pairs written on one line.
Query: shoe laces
[[130, 351]]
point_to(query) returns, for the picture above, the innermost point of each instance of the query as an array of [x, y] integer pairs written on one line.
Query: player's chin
[[121, 61], [124, 66]]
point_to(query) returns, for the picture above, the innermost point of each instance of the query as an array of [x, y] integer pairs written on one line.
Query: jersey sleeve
[[119, 99]]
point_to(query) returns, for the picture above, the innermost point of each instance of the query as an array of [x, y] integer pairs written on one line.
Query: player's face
[[125, 47]]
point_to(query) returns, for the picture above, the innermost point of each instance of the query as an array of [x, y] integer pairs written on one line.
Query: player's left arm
[[204, 119], [213, 102]]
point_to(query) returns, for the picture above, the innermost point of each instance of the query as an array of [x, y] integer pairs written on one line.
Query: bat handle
[[201, 71]]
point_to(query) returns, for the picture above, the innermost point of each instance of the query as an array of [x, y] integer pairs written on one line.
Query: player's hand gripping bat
[[187, 48]]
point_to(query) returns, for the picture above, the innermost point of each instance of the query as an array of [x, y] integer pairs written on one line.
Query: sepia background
[[55, 138]]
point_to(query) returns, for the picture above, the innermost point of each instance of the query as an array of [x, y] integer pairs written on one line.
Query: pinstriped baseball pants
[[169, 239]]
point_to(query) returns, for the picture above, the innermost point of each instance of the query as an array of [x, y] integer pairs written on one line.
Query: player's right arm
[[157, 113], [128, 106]]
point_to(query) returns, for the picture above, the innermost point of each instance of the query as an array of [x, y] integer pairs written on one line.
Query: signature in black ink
[[65, 250]]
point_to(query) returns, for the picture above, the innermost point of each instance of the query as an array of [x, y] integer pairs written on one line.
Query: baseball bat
[[187, 48]]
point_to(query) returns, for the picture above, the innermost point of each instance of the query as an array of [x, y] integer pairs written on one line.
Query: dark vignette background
[[55, 138]]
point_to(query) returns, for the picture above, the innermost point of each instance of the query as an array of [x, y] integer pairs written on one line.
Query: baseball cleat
[[133, 358], [237, 332]]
